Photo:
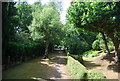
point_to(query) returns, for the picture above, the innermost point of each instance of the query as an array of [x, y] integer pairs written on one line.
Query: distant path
[[53, 68]]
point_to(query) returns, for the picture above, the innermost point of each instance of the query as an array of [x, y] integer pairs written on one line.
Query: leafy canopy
[[95, 16], [45, 24]]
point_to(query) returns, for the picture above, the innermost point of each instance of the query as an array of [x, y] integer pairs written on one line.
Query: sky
[[65, 5]]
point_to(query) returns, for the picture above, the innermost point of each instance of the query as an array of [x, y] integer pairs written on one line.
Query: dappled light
[[103, 65], [51, 42], [91, 64], [114, 67]]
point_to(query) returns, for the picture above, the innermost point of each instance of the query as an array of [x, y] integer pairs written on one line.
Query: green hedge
[[18, 52], [95, 74], [78, 71]]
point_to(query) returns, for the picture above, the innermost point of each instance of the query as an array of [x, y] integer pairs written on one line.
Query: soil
[[104, 63], [55, 69], [52, 69], [59, 71]]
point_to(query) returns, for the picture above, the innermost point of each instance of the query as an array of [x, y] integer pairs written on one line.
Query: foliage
[[78, 58], [26, 50], [90, 53], [96, 45], [24, 16], [99, 17], [96, 75], [111, 45], [8, 25], [77, 41], [76, 69], [45, 25], [17, 44], [91, 14], [9, 21]]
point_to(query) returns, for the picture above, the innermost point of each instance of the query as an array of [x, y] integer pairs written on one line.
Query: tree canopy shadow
[[59, 58], [37, 69], [90, 64], [114, 67], [109, 57]]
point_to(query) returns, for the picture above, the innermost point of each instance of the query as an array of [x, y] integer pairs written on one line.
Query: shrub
[[95, 74], [111, 46], [90, 53], [102, 44], [78, 47], [96, 45], [18, 52]]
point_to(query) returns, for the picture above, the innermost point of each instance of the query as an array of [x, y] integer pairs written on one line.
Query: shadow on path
[[60, 66], [40, 69]]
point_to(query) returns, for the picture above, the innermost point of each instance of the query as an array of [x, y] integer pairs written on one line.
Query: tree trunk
[[46, 50], [105, 41], [117, 49]]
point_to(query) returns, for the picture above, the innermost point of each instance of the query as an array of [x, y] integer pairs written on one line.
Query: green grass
[[28, 70], [91, 53]]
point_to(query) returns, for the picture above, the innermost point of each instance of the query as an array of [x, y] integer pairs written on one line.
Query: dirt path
[[105, 64], [41, 69], [60, 70]]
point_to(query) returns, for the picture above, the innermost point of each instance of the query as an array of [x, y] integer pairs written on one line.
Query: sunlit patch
[[39, 79], [44, 62]]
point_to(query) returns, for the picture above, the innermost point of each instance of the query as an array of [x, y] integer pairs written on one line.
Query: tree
[[24, 16], [105, 42], [8, 25], [76, 40], [97, 16], [46, 25]]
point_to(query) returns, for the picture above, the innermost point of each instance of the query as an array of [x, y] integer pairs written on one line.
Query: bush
[[110, 45], [18, 52], [96, 45], [90, 53], [78, 47], [95, 74], [78, 71], [102, 44]]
